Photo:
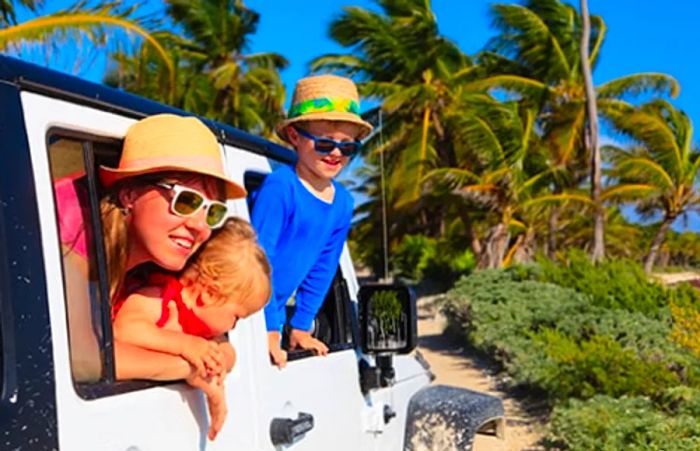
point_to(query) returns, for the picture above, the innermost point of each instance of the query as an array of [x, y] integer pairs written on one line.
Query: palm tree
[[431, 96], [598, 215], [95, 23], [540, 41], [403, 61], [215, 76], [513, 184], [661, 167]]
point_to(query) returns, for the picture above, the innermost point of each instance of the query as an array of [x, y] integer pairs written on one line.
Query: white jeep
[[57, 364]]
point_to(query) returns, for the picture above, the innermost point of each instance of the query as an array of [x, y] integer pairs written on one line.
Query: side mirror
[[387, 319]]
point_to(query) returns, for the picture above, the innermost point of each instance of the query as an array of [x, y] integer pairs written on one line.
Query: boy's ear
[[292, 135]]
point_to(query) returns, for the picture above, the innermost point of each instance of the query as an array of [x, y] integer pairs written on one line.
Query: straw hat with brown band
[[166, 142], [327, 98]]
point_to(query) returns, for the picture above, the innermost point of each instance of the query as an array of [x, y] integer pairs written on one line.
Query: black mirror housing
[[388, 320]]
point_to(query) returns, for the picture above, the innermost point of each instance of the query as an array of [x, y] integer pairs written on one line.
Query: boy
[[302, 215]]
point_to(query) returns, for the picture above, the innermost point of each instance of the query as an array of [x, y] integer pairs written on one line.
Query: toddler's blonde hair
[[232, 265]]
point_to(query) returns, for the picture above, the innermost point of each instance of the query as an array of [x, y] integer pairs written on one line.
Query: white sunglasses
[[186, 202]]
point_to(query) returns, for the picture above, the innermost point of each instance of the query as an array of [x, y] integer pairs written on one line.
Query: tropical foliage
[[484, 155], [100, 24], [596, 342], [215, 77], [491, 148]]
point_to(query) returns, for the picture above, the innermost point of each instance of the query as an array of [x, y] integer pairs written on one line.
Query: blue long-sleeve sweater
[[303, 238]]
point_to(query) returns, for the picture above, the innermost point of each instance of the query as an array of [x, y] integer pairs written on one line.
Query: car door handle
[[285, 431]]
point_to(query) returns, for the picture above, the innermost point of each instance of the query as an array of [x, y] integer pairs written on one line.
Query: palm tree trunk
[[598, 251], [656, 244], [553, 229], [423, 149], [474, 242], [495, 247], [525, 251]]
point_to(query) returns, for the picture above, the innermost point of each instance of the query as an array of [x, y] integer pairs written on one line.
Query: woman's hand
[[300, 339]]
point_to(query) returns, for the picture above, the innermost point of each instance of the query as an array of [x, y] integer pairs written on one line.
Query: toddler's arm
[[136, 324], [213, 389]]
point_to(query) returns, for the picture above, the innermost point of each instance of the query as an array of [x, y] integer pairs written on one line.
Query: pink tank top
[[71, 205]]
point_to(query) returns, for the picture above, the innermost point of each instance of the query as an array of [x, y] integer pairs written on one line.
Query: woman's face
[[157, 234]]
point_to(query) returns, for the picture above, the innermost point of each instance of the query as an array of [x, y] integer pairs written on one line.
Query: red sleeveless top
[[172, 292]]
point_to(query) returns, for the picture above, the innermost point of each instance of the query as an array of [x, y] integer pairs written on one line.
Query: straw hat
[[324, 97], [166, 142]]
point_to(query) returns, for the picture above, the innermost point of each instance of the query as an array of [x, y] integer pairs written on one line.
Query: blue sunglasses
[[326, 145]]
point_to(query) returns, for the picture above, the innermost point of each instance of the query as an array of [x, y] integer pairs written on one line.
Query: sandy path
[[453, 366]]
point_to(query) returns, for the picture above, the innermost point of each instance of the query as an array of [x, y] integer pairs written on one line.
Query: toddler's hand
[[277, 354], [213, 389], [300, 339], [216, 403], [205, 355]]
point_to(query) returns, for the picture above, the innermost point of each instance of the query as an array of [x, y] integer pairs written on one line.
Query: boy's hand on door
[[277, 354], [301, 339]]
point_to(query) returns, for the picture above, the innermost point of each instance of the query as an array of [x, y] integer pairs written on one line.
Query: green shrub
[[681, 400], [446, 264], [628, 423], [418, 258], [599, 365], [408, 259], [611, 284], [499, 314], [631, 329], [555, 339]]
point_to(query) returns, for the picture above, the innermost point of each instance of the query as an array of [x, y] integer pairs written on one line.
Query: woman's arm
[[133, 362], [135, 324]]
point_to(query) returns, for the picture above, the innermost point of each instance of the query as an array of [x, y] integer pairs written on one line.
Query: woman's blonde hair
[[115, 234], [232, 265]]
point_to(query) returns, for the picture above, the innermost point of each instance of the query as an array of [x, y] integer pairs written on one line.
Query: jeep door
[[95, 412]]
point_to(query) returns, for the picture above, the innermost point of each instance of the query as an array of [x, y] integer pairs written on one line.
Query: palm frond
[[641, 83], [95, 24]]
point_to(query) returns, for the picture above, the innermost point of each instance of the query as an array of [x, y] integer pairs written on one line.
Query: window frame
[[108, 385], [8, 359]]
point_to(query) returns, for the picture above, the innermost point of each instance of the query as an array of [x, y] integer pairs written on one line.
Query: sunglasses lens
[[349, 148], [187, 203], [216, 215], [325, 145]]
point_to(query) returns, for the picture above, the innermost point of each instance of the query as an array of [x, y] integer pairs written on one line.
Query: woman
[[163, 201]]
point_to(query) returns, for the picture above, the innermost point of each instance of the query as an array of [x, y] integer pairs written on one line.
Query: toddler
[[228, 280]]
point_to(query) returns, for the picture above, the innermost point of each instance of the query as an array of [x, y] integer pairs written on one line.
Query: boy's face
[[319, 165]]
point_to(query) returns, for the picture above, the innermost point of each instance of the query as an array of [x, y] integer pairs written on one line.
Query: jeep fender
[[447, 418]]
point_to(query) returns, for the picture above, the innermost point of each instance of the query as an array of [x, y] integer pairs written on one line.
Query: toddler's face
[[223, 318]]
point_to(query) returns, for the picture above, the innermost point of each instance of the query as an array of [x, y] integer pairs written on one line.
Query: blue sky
[[643, 36]]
